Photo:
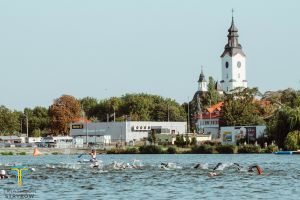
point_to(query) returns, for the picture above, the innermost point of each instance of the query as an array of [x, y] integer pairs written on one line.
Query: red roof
[[216, 107], [83, 120]]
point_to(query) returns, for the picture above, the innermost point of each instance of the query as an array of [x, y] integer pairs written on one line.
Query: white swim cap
[[2, 172]]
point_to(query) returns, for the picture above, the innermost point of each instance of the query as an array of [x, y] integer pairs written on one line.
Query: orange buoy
[[36, 152]]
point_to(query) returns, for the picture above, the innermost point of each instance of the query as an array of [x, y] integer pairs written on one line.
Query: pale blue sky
[[109, 48]]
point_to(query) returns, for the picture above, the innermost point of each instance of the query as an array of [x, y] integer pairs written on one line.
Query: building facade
[[249, 134], [128, 131]]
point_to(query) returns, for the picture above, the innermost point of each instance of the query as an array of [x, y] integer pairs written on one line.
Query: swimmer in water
[[94, 155], [164, 165], [197, 166], [259, 170], [213, 173], [3, 174], [238, 167], [217, 166]]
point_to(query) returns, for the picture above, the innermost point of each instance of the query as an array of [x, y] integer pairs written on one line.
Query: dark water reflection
[[60, 177]]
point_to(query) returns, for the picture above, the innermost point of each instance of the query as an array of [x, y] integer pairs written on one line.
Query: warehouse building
[[129, 131]]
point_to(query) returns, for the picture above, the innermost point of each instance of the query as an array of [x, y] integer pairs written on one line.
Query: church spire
[[232, 47], [201, 77]]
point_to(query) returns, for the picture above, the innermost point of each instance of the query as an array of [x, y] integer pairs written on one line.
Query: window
[[227, 76], [239, 64], [226, 65], [239, 75]]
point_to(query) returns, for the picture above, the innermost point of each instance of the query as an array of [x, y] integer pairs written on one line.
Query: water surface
[[61, 177]]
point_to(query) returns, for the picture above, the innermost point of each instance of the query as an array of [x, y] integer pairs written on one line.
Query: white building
[[33, 139], [233, 62], [209, 119], [60, 142], [128, 131]]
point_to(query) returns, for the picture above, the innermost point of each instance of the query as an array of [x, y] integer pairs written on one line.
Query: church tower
[[202, 83], [233, 62]]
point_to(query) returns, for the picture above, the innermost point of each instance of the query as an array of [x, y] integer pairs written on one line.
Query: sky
[[109, 48]]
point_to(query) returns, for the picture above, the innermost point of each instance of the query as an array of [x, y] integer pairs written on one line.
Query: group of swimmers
[[134, 165], [219, 166]]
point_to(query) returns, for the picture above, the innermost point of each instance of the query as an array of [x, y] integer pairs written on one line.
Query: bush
[[55, 153], [22, 153], [204, 149], [116, 151], [172, 150], [226, 149], [212, 143], [193, 141], [150, 149], [7, 153], [271, 149], [291, 141], [131, 150], [249, 149]]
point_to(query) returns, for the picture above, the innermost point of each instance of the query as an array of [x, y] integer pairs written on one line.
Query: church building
[[233, 76]]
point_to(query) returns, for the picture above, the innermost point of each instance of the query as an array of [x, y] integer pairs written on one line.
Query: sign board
[[77, 126]]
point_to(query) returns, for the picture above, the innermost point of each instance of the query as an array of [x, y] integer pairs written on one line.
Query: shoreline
[[150, 149]]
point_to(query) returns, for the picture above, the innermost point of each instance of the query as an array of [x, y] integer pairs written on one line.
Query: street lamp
[[26, 125]]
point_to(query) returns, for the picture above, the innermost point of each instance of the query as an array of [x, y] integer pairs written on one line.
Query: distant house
[[60, 142], [209, 120], [10, 139]]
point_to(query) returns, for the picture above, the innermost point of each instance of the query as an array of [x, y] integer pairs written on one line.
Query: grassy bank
[[149, 149], [198, 149]]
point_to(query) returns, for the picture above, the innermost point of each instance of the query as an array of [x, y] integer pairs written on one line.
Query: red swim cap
[[259, 170]]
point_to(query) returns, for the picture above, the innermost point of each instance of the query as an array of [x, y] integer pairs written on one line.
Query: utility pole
[[168, 113], [26, 125], [188, 125], [86, 133], [114, 114], [95, 135]]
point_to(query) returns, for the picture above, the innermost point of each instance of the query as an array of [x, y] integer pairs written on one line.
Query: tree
[[138, 107], [152, 137], [241, 109], [87, 104], [38, 119], [286, 120], [213, 96], [63, 111], [9, 121]]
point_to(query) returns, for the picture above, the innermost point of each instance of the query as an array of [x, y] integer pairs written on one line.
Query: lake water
[[61, 177]]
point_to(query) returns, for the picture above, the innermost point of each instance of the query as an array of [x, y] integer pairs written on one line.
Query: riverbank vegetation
[[196, 149]]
